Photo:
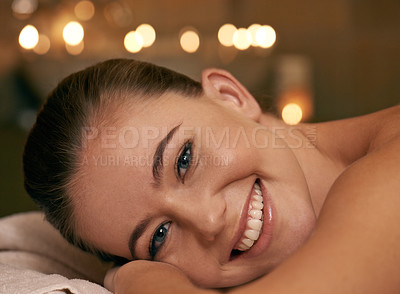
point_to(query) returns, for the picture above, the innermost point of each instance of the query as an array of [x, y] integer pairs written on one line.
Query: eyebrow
[[159, 155], [157, 172], [137, 232]]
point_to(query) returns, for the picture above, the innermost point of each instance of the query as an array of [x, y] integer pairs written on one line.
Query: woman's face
[[174, 181]]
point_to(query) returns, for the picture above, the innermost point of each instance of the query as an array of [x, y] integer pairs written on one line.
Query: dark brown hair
[[54, 144]]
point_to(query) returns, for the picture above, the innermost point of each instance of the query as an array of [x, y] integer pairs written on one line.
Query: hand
[[109, 278], [142, 276]]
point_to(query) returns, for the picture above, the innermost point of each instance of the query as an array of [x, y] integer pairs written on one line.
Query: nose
[[204, 215]]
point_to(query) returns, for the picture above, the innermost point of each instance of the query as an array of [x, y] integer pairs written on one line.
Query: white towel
[[34, 258], [20, 281]]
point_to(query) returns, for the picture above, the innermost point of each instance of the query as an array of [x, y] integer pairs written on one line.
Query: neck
[[325, 150], [321, 150]]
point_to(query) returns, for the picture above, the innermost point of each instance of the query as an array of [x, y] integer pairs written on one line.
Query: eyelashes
[[184, 161], [158, 239]]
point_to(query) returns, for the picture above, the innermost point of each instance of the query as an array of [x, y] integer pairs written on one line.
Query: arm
[[143, 276]]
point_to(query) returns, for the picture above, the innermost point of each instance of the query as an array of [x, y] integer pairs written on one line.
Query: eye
[[184, 161], [158, 239]]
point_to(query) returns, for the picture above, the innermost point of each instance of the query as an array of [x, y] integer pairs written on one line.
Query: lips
[[255, 226]]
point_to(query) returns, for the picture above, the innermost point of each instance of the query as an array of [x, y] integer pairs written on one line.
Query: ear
[[221, 85]]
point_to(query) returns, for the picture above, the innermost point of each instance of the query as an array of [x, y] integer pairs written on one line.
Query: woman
[[135, 162]]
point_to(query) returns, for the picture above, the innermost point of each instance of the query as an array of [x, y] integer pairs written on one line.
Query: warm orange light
[[29, 37], [75, 49], [24, 7], [265, 36], [148, 34], [73, 33], [292, 114], [225, 34], [242, 39], [84, 10], [43, 46], [133, 42], [190, 41], [253, 32]]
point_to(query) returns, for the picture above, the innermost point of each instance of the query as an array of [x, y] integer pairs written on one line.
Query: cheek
[[279, 166], [236, 152], [286, 183], [294, 217]]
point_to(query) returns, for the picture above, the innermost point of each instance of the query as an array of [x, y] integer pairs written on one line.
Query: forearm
[[151, 277]]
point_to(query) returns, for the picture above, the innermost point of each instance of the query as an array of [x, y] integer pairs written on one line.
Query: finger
[[109, 278]]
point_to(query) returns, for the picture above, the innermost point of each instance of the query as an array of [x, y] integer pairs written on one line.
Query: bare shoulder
[[377, 172], [355, 247], [388, 122], [374, 179], [347, 140], [358, 234]]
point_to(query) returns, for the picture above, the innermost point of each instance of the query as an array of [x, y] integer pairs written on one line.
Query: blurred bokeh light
[[242, 39], [43, 45], [190, 41], [29, 37], [253, 29], [84, 10], [73, 33], [292, 114], [75, 49], [23, 8], [133, 42], [225, 34], [147, 33], [265, 36]]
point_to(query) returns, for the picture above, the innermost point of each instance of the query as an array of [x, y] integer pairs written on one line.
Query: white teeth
[[258, 198], [257, 204], [243, 247], [248, 242], [252, 234], [255, 213], [254, 222]]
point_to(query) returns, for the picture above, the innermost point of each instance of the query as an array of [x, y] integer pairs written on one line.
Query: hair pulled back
[[54, 144]]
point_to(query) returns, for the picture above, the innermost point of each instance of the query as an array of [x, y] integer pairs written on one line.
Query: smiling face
[[197, 183]]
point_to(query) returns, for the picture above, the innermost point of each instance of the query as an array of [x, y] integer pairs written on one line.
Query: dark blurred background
[[332, 59]]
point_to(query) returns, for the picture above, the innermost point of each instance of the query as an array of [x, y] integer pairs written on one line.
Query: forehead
[[110, 189]]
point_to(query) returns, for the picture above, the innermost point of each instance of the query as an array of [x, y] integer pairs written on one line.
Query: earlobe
[[221, 85]]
